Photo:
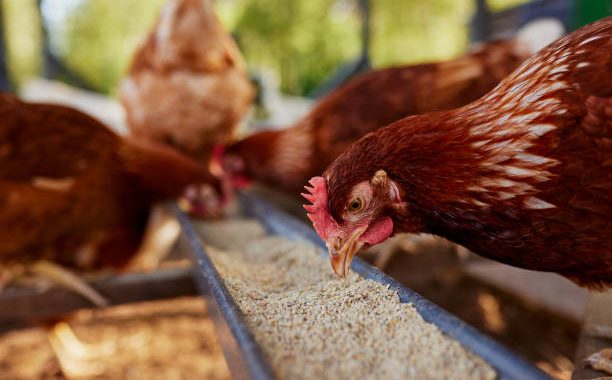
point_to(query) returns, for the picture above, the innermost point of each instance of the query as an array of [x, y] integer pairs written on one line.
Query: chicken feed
[[312, 325]]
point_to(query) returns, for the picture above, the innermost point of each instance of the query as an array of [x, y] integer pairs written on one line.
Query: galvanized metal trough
[[245, 358], [18, 306]]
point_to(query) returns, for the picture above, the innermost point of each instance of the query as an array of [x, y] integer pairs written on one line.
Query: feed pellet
[[312, 325]]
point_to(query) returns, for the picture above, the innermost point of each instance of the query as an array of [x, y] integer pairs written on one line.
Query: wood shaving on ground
[[162, 340], [312, 325]]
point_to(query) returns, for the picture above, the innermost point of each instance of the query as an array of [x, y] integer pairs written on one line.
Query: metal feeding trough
[[245, 358]]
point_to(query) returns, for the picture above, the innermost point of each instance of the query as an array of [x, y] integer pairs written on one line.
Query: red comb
[[318, 213], [217, 152]]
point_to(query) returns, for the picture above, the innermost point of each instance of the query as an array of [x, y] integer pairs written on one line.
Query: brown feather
[[368, 102], [187, 85], [67, 181], [522, 175]]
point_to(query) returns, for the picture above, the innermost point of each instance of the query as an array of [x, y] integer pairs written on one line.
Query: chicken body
[[287, 158], [522, 175], [187, 85], [73, 192]]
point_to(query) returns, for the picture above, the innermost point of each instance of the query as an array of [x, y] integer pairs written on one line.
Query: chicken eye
[[355, 205]]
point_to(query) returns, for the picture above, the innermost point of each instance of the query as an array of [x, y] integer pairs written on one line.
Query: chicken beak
[[341, 258]]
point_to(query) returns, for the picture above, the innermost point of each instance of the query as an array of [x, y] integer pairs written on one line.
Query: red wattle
[[378, 232]]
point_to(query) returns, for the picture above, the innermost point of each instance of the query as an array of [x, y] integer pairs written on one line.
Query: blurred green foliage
[[418, 31], [101, 35], [302, 41], [423, 31], [591, 10], [498, 5], [23, 42]]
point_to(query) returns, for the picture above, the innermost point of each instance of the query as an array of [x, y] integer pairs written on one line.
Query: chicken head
[[365, 220]]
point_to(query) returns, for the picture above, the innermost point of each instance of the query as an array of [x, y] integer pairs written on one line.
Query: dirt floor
[[176, 340], [169, 340]]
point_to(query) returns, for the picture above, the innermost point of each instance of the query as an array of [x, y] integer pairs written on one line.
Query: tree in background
[[423, 31], [418, 31], [22, 39], [303, 41], [95, 38], [100, 37], [498, 5]]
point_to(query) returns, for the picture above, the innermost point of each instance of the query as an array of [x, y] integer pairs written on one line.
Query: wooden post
[[480, 24], [5, 83]]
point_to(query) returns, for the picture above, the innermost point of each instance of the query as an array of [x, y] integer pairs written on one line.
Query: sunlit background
[[301, 42]]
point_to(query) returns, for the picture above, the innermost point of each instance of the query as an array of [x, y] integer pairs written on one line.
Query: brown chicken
[[73, 192], [287, 158], [187, 85], [75, 195], [522, 175]]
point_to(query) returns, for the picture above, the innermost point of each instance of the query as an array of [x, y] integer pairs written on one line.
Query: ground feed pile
[[312, 325]]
